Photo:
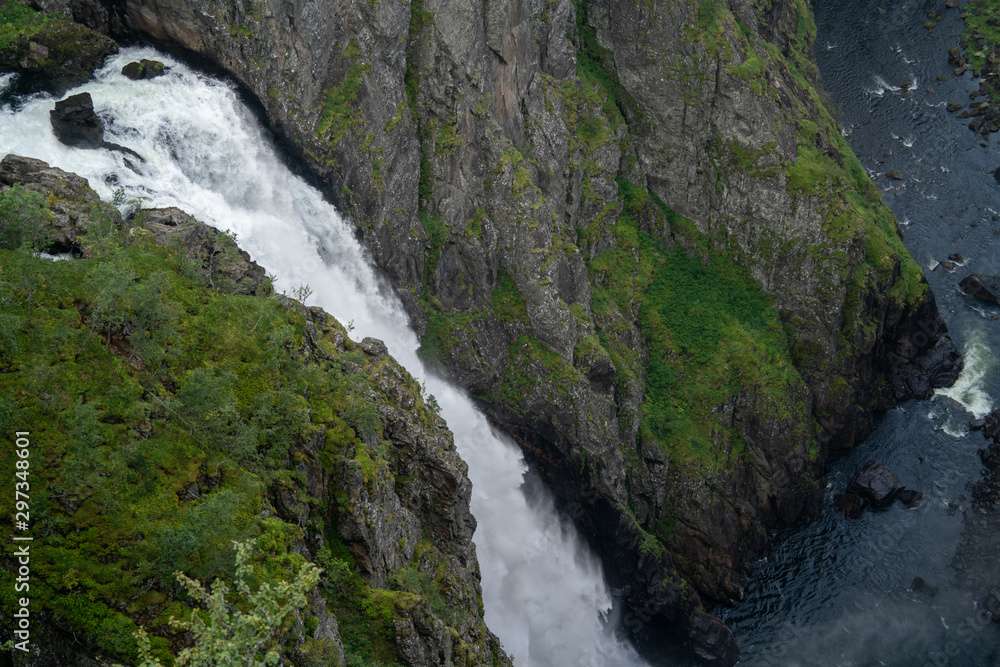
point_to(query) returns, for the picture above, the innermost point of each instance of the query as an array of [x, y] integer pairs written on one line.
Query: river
[[837, 592]]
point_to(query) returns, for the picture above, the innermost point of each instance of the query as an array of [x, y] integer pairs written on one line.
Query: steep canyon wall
[[632, 230]]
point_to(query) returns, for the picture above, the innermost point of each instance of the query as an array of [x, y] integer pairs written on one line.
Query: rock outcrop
[[72, 205], [343, 462], [75, 122], [984, 288], [548, 184], [50, 53]]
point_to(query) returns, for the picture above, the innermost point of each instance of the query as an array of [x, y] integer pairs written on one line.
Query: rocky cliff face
[[203, 409], [631, 229]]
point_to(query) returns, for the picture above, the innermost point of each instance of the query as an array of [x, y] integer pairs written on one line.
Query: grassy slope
[[123, 422]]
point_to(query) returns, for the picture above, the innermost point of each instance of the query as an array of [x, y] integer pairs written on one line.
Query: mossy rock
[[51, 53], [144, 69]]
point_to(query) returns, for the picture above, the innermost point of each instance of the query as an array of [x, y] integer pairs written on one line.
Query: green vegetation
[[595, 63], [981, 42], [507, 301], [62, 47], [161, 411], [708, 13], [530, 360], [24, 211], [710, 332], [854, 207], [981, 19], [226, 636], [339, 113], [18, 22], [437, 235]]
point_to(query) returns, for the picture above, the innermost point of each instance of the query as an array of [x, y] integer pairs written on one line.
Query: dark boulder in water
[[144, 69], [919, 585], [984, 288], [76, 124], [909, 497], [876, 484], [712, 641], [852, 505]]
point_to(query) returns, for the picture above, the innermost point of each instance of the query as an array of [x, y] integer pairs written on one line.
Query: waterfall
[[543, 591]]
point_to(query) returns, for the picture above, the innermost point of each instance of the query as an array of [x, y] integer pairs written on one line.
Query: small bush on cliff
[[224, 634]]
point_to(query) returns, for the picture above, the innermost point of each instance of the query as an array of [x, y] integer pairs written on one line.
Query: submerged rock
[[919, 585], [985, 288], [876, 484], [712, 641], [852, 505]]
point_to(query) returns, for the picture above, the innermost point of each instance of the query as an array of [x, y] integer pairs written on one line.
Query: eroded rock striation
[[632, 230]]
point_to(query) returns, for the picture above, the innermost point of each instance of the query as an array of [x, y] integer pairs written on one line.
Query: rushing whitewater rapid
[[204, 152]]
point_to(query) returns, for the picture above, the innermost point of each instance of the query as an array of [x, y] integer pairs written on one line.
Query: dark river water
[[838, 592]]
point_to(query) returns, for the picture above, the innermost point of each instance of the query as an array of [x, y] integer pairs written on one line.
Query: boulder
[[852, 505], [712, 641], [909, 497], [876, 484], [955, 107], [919, 585], [895, 175], [144, 69], [984, 288], [214, 255], [76, 124]]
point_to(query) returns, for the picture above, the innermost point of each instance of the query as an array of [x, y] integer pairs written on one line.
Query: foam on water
[[6, 80], [968, 389]]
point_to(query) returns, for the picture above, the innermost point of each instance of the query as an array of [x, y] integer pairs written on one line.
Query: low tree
[[226, 636]]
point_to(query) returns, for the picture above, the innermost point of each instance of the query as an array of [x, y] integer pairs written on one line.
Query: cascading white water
[[544, 593]]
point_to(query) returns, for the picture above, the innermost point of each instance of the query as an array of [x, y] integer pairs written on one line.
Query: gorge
[[525, 196]]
